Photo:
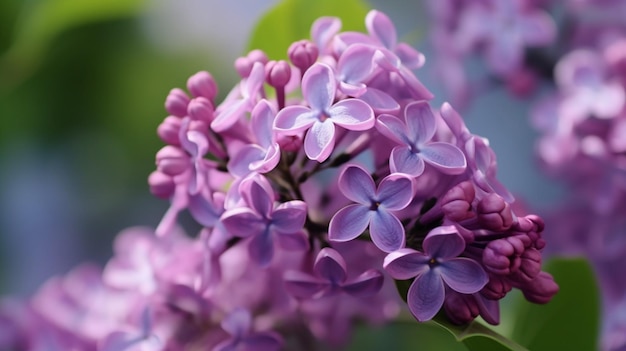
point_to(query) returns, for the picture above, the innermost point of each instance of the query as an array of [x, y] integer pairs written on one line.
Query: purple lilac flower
[[438, 264], [318, 89], [242, 338], [374, 208]]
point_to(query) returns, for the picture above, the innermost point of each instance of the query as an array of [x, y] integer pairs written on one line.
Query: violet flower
[[374, 208], [438, 266], [318, 89], [242, 338], [416, 146]]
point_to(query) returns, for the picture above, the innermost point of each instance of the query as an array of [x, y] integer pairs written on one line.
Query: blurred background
[[82, 87]]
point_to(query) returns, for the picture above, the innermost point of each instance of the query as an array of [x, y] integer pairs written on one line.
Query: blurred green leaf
[[571, 320], [41, 21], [477, 337], [291, 20]]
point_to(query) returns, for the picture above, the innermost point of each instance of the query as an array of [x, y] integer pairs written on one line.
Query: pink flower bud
[[303, 54], [243, 65], [457, 202], [201, 109], [168, 130], [460, 308], [176, 102], [161, 185], [494, 213], [202, 84], [541, 289], [502, 256], [277, 73], [496, 288], [172, 161]]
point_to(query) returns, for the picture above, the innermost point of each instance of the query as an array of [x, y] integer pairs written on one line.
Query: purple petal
[[297, 241], [255, 81], [262, 121], [243, 222], [331, 266], [446, 157], [417, 90], [294, 119], [261, 249], [303, 285], [269, 162], [380, 101], [386, 231], [366, 284], [463, 275], [393, 128], [357, 185], [352, 114], [355, 64], [289, 217], [261, 342], [410, 57], [240, 164], [323, 29], [319, 86], [238, 322], [402, 160], [420, 121], [320, 141], [444, 242], [489, 309], [538, 29], [426, 295], [349, 222], [204, 210], [227, 118], [406, 263], [258, 194], [395, 192], [380, 27]]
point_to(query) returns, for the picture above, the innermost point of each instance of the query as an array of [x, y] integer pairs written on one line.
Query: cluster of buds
[[317, 182]]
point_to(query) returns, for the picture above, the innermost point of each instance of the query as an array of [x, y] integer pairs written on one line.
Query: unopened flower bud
[[494, 213], [244, 64], [168, 130], [460, 308], [176, 102], [202, 84], [496, 288], [303, 54], [172, 160], [502, 256], [277, 73], [201, 109], [161, 185], [541, 289], [456, 204]]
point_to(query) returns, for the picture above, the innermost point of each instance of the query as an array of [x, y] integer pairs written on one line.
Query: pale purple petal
[[406, 263], [238, 322], [352, 114], [395, 192], [261, 248], [258, 194], [357, 185], [420, 122], [366, 284], [262, 121], [425, 296], [243, 222], [410, 57], [289, 217], [444, 242], [303, 285], [228, 117], [331, 266], [323, 29], [380, 101], [446, 157], [380, 27], [349, 222], [319, 86], [393, 128], [402, 160], [320, 140], [417, 90], [386, 231], [297, 241], [355, 64], [255, 81], [204, 209], [537, 29], [294, 119], [240, 164], [463, 275], [505, 53], [269, 162]]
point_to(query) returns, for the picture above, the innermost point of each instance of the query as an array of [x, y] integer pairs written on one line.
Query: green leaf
[[475, 336], [571, 320], [42, 21], [291, 20]]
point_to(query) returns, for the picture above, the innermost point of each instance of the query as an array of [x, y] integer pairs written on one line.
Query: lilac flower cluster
[[498, 32], [315, 182]]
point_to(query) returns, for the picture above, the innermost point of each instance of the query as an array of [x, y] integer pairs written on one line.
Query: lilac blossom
[[374, 208], [438, 266], [415, 136], [238, 324], [318, 89]]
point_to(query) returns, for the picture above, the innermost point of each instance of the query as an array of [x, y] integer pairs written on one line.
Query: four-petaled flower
[[416, 146], [318, 89], [373, 208], [331, 278], [438, 264]]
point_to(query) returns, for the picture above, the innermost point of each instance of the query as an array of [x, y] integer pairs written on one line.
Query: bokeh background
[[82, 86]]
